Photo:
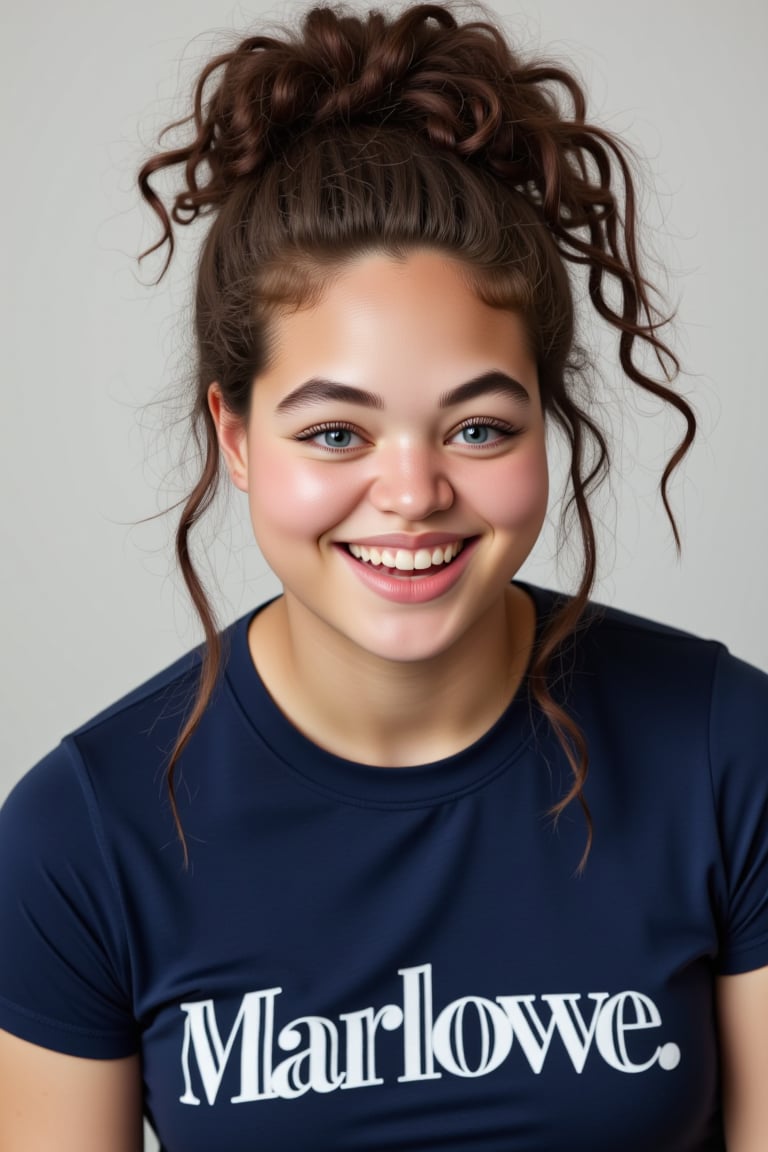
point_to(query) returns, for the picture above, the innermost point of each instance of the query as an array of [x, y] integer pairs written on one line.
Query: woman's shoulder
[[650, 672], [156, 696], [605, 620], [670, 652], [118, 752], [622, 636], [57, 796]]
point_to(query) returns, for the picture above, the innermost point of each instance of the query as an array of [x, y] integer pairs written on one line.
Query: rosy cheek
[[518, 493], [301, 497]]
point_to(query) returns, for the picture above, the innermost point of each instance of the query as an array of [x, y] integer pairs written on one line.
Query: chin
[[409, 640]]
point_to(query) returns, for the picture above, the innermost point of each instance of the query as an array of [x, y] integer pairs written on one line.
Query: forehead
[[416, 318]]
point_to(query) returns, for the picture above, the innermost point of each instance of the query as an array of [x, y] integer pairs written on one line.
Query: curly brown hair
[[359, 132]]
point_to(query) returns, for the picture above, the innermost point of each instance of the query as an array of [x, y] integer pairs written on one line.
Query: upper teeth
[[404, 559]]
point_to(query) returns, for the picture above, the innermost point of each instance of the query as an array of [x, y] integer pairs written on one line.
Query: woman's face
[[394, 458]]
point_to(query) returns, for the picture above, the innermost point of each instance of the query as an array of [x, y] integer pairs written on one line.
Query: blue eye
[[476, 433], [483, 432], [334, 437]]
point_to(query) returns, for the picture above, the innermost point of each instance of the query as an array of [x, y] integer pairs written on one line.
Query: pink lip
[[413, 543], [410, 589]]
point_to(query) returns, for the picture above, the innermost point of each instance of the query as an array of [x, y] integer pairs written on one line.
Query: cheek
[[301, 498], [516, 495]]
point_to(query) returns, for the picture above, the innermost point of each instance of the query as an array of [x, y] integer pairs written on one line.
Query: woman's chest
[[432, 984]]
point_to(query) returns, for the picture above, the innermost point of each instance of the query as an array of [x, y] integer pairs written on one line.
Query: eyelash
[[508, 430], [332, 426]]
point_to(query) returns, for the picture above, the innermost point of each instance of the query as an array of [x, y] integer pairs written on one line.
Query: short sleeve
[[64, 973], [739, 759]]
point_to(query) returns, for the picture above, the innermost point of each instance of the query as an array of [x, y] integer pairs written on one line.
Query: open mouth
[[407, 562]]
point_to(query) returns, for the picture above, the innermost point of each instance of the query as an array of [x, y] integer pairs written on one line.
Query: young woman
[[415, 855]]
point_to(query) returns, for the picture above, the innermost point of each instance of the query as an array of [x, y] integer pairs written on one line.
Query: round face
[[394, 460]]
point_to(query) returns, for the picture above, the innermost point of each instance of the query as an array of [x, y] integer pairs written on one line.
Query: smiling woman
[[414, 355], [412, 798]]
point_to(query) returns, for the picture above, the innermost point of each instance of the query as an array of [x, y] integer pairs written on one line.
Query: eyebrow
[[317, 391], [488, 383]]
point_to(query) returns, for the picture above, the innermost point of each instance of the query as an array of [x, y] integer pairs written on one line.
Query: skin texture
[[377, 681], [742, 1003], [55, 1103]]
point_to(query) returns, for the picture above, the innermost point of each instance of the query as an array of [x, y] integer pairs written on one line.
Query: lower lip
[[411, 589]]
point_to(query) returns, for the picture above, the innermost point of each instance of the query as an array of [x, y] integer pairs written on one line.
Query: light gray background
[[91, 605]]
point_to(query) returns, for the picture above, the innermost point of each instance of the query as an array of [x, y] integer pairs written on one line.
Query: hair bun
[[419, 71], [349, 70]]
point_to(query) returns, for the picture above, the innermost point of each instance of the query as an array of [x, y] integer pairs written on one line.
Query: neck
[[384, 712]]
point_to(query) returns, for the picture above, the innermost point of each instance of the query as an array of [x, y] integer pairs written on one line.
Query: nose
[[411, 480]]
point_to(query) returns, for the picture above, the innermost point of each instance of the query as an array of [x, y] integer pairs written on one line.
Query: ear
[[232, 438]]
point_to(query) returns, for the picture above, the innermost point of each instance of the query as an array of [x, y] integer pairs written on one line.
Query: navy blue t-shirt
[[379, 959]]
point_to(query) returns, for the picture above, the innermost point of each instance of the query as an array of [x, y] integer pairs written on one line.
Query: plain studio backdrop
[[92, 604]]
